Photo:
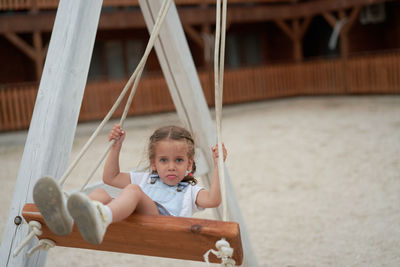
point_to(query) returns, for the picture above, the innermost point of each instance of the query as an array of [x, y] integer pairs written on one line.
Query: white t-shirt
[[189, 198]]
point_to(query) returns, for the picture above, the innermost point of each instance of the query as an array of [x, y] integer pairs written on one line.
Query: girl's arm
[[212, 198], [112, 174]]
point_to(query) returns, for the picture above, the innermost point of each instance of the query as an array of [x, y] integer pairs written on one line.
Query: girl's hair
[[178, 134]]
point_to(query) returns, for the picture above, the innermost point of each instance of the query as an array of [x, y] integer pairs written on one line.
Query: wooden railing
[[367, 74], [16, 106], [52, 4]]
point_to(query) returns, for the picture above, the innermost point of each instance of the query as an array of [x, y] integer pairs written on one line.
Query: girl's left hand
[[214, 150]]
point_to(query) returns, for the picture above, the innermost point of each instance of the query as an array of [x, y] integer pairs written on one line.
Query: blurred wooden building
[[275, 48]]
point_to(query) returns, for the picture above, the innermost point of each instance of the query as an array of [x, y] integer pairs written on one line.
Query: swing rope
[[219, 56], [224, 251], [135, 77]]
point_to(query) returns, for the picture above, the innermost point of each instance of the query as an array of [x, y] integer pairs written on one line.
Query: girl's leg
[[100, 195], [49, 199], [91, 217], [131, 199]]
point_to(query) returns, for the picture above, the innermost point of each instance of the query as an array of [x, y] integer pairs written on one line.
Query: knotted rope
[[44, 244], [223, 252], [35, 230]]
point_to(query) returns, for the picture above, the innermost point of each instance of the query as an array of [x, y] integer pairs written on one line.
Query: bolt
[[18, 220]]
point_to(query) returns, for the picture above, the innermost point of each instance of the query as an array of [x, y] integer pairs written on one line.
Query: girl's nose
[[171, 166]]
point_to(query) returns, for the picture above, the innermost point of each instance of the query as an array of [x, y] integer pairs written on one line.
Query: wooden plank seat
[[160, 236]]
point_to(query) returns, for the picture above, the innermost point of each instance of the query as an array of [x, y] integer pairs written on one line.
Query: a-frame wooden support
[[51, 134], [184, 85], [344, 35], [54, 118], [36, 52], [332, 20], [295, 32]]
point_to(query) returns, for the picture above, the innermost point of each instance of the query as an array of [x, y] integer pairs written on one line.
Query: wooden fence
[[367, 74]]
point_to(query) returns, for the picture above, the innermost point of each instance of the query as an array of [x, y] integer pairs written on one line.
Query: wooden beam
[[286, 29], [126, 19], [331, 19], [194, 35], [35, 52], [296, 34], [54, 118], [352, 18], [291, 11], [304, 27], [185, 88], [159, 236], [21, 44]]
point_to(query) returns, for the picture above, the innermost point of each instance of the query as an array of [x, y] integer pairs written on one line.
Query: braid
[[190, 178]]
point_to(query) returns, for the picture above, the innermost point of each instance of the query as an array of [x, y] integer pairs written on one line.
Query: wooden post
[[185, 88], [344, 51], [38, 45], [54, 118], [344, 41], [297, 44], [344, 37]]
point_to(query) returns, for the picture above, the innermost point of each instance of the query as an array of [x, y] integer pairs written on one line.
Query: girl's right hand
[[117, 134], [214, 150]]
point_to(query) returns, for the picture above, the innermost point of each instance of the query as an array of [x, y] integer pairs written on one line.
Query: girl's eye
[[163, 160], [179, 160]]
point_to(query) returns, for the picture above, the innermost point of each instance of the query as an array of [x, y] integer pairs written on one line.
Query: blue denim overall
[[169, 199]]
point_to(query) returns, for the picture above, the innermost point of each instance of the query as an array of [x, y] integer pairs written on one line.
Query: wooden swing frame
[[170, 237], [159, 236]]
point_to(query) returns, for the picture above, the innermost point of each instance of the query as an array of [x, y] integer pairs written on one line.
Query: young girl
[[169, 189]]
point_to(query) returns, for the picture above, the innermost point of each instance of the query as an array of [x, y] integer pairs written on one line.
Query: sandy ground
[[317, 179]]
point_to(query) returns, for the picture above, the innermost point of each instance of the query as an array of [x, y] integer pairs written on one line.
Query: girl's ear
[[190, 165], [153, 165]]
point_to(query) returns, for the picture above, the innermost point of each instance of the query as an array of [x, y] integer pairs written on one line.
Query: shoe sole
[[49, 200], [84, 214]]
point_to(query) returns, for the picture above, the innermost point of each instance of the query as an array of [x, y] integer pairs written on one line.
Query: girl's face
[[171, 161]]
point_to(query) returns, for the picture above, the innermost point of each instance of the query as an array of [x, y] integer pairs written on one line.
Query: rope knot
[[225, 249], [36, 230], [223, 252], [44, 244], [36, 227]]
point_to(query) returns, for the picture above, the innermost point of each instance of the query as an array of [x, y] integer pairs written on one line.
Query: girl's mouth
[[171, 177]]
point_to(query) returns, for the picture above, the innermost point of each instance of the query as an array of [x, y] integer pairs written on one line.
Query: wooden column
[[54, 118], [344, 35], [296, 33], [40, 53], [185, 88]]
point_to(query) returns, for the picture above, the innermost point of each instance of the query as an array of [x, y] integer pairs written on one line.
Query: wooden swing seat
[[160, 236]]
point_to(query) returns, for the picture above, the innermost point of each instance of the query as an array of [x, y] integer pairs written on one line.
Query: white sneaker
[[90, 217], [49, 199]]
